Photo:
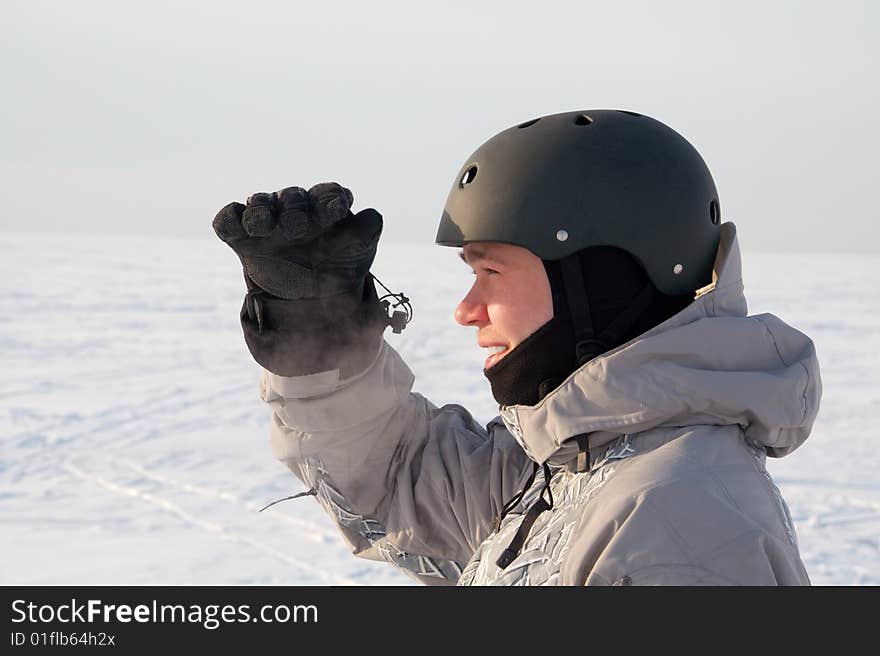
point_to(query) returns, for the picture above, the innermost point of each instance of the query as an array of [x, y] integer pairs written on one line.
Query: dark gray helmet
[[565, 182]]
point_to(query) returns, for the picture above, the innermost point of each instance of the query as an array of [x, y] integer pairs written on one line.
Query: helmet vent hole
[[528, 123], [582, 119], [468, 176], [714, 212]]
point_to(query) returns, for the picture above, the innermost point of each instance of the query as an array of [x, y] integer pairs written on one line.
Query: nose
[[471, 311]]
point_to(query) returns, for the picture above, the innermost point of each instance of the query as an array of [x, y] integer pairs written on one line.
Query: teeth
[[496, 349]]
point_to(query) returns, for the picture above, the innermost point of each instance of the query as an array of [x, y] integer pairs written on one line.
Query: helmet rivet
[[677, 269], [562, 235]]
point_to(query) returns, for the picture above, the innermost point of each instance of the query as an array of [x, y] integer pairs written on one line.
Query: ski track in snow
[[133, 440], [311, 531], [223, 532]]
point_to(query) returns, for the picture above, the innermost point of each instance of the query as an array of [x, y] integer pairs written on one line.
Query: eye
[[488, 271]]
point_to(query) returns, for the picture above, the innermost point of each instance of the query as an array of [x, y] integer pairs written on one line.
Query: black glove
[[311, 305]]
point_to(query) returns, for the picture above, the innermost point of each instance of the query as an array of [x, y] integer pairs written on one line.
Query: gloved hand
[[311, 305]]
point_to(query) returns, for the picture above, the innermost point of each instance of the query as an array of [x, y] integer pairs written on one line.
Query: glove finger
[[345, 254], [227, 223], [330, 203], [257, 218], [367, 225], [356, 236], [294, 221]]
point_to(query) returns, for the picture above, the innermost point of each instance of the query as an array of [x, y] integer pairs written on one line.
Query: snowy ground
[[134, 449]]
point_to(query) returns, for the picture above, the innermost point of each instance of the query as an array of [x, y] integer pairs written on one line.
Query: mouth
[[497, 352]]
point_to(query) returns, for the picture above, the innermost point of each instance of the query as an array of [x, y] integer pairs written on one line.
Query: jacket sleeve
[[406, 482]]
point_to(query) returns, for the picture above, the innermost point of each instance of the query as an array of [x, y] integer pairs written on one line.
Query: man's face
[[509, 300]]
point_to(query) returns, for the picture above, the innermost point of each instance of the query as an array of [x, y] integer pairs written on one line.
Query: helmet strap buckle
[[588, 349]]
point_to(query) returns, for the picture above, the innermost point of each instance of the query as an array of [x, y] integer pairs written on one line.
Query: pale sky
[[147, 117]]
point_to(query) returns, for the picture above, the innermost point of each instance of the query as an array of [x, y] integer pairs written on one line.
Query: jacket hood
[[709, 364]]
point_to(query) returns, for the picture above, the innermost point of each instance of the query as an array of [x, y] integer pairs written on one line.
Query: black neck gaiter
[[536, 366]]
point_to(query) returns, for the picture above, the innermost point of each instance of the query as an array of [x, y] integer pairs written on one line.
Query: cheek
[[534, 298], [522, 311]]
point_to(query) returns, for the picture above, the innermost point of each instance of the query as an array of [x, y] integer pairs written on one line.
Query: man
[[637, 400]]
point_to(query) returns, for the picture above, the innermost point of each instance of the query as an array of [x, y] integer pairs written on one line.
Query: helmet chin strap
[[588, 344]]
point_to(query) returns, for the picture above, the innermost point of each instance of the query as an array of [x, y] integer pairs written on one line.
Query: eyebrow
[[478, 254]]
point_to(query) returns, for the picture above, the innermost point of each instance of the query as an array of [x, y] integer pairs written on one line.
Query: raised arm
[[407, 482]]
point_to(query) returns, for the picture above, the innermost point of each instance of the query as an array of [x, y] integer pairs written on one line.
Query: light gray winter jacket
[[678, 422]]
